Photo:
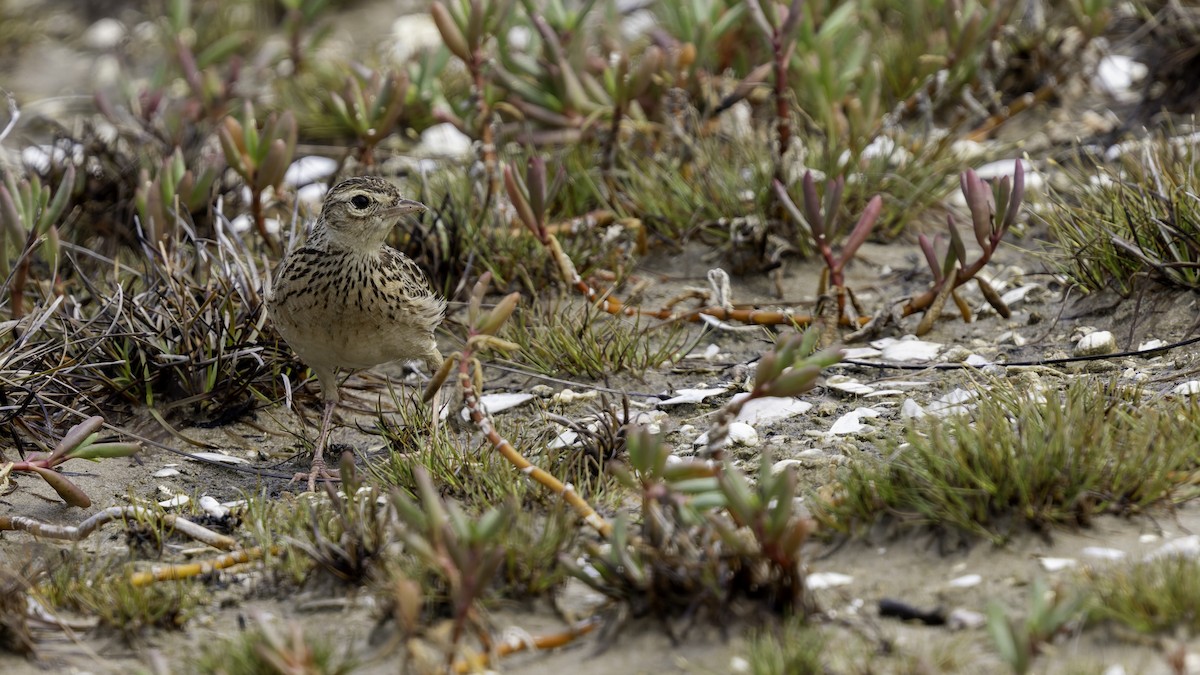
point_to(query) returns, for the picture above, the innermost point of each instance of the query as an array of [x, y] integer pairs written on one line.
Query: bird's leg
[[318, 462], [317, 469]]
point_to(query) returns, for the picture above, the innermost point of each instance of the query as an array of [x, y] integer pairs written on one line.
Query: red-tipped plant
[[821, 218], [994, 208]]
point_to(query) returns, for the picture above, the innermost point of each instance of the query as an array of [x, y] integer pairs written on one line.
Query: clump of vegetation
[[1157, 595], [264, 648], [96, 588], [1138, 219], [794, 646], [1034, 458]]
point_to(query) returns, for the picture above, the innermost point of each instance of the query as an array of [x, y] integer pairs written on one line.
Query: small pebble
[[1095, 344]]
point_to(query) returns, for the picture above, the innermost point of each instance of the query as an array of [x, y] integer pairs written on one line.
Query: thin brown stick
[[481, 420], [189, 570], [481, 662]]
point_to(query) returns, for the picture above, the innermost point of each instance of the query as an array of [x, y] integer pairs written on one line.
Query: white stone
[[310, 169], [741, 433], [104, 34], [977, 361], [165, 473], [955, 402], [1001, 168], [1095, 344], [443, 140], [212, 507], [1189, 388], [1116, 75], [414, 33], [1151, 344], [1018, 294]]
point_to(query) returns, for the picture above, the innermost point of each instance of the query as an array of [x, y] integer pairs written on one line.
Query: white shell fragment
[[740, 433], [165, 473], [1189, 388], [860, 353], [1187, 547], [1018, 294], [1102, 553], [954, 403], [1057, 564], [907, 348], [691, 396], [177, 500], [851, 422], [965, 581], [848, 385], [770, 409], [819, 580], [1151, 344], [564, 440], [1095, 344], [911, 410], [494, 403], [218, 457], [213, 507]]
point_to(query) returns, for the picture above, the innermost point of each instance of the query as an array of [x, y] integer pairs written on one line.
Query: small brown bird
[[345, 300]]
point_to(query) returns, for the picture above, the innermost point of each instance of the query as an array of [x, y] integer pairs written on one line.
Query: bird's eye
[[360, 201]]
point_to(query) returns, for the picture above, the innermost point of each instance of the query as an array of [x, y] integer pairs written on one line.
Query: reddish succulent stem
[[962, 276]]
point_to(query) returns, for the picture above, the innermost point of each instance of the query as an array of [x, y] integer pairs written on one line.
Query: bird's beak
[[405, 206]]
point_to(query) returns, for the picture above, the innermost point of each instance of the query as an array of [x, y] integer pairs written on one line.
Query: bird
[[346, 301]]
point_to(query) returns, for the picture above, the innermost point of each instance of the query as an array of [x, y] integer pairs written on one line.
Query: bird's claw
[[316, 471]]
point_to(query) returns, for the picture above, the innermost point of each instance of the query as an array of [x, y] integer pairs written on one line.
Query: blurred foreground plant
[[260, 157]]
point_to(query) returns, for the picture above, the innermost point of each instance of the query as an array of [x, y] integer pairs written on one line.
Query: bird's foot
[[316, 472]]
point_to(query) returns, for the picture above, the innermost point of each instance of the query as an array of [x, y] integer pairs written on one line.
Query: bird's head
[[359, 212]]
